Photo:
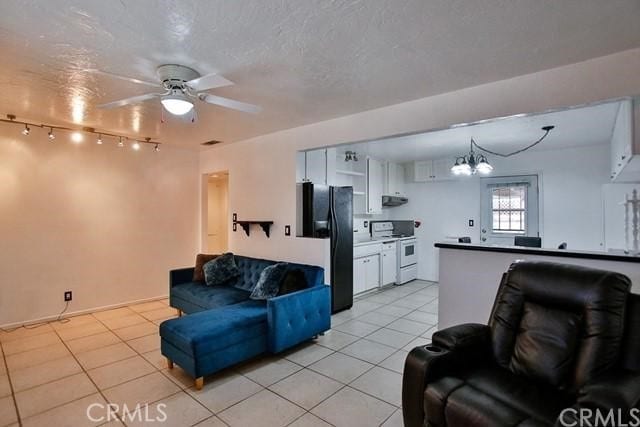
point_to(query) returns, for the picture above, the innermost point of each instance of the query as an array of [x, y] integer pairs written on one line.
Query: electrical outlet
[[235, 218], [235, 226], [68, 296], [287, 230]]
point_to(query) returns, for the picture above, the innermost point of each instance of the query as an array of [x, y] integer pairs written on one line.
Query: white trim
[[80, 312]]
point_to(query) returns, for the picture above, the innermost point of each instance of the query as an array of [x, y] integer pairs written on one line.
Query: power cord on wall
[[58, 319]]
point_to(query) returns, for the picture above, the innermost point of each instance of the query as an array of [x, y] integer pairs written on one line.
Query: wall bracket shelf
[[265, 225]]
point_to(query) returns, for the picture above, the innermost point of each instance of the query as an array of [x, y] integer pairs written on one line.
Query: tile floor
[[351, 376]]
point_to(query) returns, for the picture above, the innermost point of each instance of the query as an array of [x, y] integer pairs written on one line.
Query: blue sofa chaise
[[223, 326]]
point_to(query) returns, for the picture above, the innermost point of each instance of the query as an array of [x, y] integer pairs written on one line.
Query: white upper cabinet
[[317, 166], [394, 182], [375, 180], [316, 170], [625, 144], [429, 170]]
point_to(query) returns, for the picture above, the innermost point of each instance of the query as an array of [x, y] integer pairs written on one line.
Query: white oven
[[407, 260], [407, 252]]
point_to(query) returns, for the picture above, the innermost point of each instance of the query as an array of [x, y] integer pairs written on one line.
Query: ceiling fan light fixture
[[176, 103]]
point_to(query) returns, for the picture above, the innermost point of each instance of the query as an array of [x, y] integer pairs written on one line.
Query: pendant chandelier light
[[476, 162]]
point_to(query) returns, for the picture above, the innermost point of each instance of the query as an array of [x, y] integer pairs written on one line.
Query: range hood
[[393, 200]]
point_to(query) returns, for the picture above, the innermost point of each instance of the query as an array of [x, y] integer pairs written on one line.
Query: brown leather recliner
[[560, 339]]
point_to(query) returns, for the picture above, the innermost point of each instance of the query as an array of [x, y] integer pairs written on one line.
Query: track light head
[[136, 145], [120, 143], [26, 130], [51, 135], [156, 148], [99, 140]]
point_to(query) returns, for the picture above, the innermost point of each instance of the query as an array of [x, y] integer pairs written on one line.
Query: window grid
[[509, 209]]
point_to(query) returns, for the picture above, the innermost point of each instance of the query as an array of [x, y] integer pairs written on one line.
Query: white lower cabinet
[[366, 273], [389, 267]]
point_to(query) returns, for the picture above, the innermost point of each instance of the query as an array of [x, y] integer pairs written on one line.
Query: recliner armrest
[[180, 275], [466, 337], [423, 365], [452, 349]]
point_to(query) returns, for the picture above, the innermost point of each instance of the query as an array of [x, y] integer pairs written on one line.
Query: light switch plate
[[287, 230], [471, 223]]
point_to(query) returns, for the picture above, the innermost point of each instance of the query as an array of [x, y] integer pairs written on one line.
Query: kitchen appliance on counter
[[327, 212], [406, 246]]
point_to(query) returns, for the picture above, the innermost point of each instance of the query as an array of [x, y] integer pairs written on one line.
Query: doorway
[[217, 218], [509, 208]]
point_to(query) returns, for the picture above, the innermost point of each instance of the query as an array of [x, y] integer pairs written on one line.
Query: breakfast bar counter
[[469, 274]]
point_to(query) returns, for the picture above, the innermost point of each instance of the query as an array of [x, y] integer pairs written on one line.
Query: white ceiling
[[591, 125], [303, 62]]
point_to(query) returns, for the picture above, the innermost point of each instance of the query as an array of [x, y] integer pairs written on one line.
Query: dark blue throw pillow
[[220, 270], [269, 282]]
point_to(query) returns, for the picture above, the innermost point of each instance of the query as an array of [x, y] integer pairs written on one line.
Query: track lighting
[[78, 135]]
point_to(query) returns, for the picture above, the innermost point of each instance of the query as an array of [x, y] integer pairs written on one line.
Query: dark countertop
[[608, 256]]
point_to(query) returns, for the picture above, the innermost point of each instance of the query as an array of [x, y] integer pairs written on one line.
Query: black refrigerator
[[327, 212]]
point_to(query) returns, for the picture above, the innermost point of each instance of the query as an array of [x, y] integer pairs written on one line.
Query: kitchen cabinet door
[[388, 267], [316, 170], [372, 267], [374, 186], [441, 170], [395, 180], [301, 165], [359, 275]]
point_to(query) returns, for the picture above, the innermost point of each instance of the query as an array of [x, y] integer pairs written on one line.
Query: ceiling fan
[[182, 85]]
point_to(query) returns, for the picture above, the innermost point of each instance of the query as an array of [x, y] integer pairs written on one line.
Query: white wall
[[262, 169], [570, 182], [104, 222]]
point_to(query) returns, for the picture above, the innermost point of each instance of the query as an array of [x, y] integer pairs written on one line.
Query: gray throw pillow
[[268, 284], [220, 270]]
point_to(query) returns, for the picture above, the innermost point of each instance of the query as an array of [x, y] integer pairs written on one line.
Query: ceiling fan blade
[[210, 81], [229, 103], [129, 101], [119, 77]]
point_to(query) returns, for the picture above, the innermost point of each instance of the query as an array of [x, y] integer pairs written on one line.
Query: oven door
[[408, 252]]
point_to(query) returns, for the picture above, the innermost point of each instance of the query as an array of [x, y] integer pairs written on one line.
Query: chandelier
[[476, 162]]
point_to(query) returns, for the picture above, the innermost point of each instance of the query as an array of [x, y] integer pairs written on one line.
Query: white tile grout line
[[161, 371]]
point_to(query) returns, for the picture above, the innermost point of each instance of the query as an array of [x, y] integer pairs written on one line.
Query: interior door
[[509, 208], [218, 214]]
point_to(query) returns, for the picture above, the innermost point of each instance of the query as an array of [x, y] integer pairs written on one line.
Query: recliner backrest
[[557, 323]]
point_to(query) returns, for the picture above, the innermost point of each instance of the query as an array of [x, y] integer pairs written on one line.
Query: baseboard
[[80, 312]]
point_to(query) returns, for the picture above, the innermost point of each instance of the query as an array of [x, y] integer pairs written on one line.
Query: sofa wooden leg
[[199, 383], [179, 312], [169, 363]]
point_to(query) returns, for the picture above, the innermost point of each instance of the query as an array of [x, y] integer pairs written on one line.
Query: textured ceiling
[[574, 127], [303, 62]]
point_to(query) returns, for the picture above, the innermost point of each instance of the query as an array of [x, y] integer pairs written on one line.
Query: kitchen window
[[509, 208]]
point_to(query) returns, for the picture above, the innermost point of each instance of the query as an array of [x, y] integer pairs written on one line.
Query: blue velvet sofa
[[223, 326]]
